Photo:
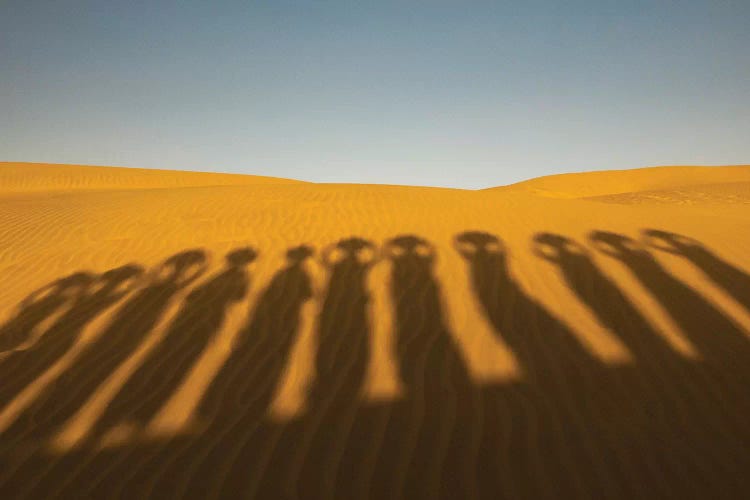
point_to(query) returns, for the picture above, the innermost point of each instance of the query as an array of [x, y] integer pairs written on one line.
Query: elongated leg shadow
[[340, 367], [724, 349], [662, 386], [430, 443]]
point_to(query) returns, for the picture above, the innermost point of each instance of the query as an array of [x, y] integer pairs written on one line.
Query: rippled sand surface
[[171, 334]]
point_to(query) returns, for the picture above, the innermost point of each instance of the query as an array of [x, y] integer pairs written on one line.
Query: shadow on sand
[[661, 426]]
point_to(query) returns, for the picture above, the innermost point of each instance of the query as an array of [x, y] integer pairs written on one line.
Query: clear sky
[[454, 93]]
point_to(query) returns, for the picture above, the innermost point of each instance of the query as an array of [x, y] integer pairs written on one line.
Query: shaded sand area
[[173, 334]]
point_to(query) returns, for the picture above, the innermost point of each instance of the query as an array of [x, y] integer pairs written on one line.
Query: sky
[[454, 93]]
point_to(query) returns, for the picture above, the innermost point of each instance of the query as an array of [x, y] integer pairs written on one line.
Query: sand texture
[[183, 335]]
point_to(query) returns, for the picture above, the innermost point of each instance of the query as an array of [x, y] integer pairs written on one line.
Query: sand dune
[[609, 182], [170, 334], [26, 177]]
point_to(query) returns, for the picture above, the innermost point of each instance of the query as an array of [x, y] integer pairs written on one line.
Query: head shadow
[[40, 305], [80, 297]]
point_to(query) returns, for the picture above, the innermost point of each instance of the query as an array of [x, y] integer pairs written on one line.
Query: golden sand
[[179, 334]]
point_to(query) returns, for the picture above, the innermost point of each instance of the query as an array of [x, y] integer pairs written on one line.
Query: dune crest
[[31, 177], [612, 182]]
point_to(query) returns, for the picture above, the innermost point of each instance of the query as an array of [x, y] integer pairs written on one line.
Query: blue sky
[[446, 93]]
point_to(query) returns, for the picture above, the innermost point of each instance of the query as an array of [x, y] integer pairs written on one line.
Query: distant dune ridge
[[26, 177], [171, 334]]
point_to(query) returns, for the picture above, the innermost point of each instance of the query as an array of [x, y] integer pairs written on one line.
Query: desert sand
[[171, 334]]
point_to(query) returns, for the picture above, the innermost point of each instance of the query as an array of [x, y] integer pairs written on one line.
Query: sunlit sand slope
[[24, 177], [629, 181], [172, 334]]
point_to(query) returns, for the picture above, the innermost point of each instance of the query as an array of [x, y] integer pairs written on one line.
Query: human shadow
[[605, 300], [195, 325], [250, 375], [92, 296], [719, 340], [723, 348], [430, 432], [102, 355], [658, 384], [41, 305], [238, 398], [733, 279], [341, 360], [561, 378], [343, 339], [546, 349]]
